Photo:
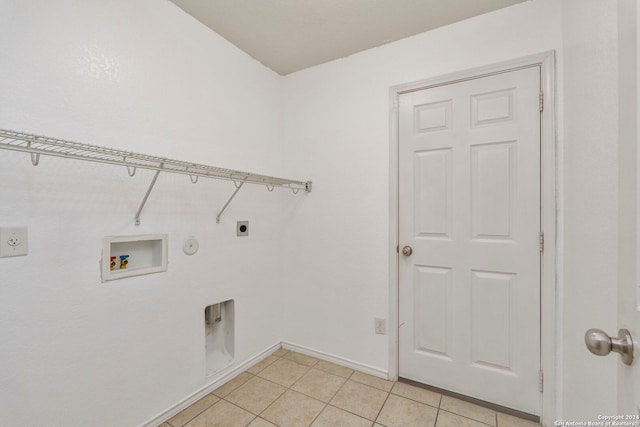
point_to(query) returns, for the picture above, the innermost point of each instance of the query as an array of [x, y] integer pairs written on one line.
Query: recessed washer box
[[133, 255], [219, 335]]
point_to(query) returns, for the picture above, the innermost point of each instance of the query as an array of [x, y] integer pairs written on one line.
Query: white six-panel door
[[469, 207]]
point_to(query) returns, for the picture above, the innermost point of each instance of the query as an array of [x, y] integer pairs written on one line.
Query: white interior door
[[469, 207]]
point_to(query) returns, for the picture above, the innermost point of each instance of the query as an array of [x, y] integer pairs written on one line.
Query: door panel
[[433, 206], [493, 172], [431, 307], [469, 165], [491, 319]]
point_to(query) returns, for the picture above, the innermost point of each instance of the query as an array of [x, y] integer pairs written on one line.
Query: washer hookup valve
[[112, 266], [123, 262]]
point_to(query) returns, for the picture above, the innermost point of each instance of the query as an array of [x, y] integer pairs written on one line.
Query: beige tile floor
[[290, 389]]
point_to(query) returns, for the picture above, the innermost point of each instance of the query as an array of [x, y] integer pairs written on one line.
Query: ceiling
[[290, 35]]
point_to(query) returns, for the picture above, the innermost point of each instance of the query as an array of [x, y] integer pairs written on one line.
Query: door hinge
[[541, 101], [541, 237], [398, 249], [541, 381]]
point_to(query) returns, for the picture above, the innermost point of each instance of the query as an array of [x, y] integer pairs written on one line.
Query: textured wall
[[140, 76]]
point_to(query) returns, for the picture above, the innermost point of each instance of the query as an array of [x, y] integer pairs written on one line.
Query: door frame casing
[[549, 292]]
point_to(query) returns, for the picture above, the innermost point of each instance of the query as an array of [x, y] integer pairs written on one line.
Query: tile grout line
[[291, 388], [264, 379], [312, 397], [465, 417], [199, 413], [271, 404], [319, 413], [287, 389], [271, 355], [281, 385], [417, 401], [348, 411], [221, 397], [244, 409], [381, 389], [338, 391], [273, 382], [326, 404], [375, 420], [254, 418], [435, 423], [442, 396], [265, 420]]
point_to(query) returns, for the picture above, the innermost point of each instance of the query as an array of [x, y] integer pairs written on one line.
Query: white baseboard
[[337, 360], [231, 373], [224, 377]]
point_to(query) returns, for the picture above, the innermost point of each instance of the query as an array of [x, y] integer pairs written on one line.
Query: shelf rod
[[229, 201], [146, 196]]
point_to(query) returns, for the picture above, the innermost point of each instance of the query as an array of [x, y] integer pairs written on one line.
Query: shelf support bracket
[[146, 196], [238, 187], [35, 158]]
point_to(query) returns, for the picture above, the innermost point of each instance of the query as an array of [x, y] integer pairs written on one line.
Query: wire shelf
[[41, 145], [37, 145]]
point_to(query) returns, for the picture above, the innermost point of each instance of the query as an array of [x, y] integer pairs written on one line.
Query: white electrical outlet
[[13, 241], [380, 325]]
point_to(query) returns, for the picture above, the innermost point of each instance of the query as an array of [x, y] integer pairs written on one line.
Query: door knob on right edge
[[598, 342], [407, 250]]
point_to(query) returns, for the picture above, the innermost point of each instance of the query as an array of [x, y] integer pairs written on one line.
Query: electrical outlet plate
[[243, 228], [13, 241], [380, 325]]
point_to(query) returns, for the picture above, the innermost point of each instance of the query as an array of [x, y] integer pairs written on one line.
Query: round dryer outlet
[[190, 246]]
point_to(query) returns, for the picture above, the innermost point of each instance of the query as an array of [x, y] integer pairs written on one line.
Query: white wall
[[141, 76], [145, 77], [337, 130], [590, 203]]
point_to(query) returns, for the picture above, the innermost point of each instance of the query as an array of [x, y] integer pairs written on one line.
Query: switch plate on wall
[[13, 241]]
